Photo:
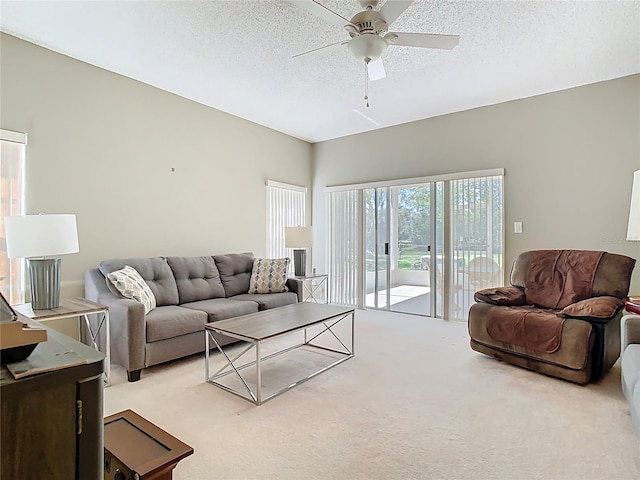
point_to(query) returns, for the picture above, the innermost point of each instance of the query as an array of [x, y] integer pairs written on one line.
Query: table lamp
[[298, 238], [37, 237], [633, 232]]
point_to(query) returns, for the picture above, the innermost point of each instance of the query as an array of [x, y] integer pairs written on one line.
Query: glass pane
[[411, 275], [376, 201]]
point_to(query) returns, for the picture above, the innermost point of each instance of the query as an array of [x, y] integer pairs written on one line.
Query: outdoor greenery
[[472, 233], [410, 257]]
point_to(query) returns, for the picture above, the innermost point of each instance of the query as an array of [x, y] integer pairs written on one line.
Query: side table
[[312, 285], [135, 448], [633, 305], [81, 308]]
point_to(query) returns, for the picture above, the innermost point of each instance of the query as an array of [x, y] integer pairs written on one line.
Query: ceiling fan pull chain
[[366, 84]]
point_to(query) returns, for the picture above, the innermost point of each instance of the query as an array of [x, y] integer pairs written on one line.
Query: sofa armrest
[[630, 330], [295, 285], [126, 321]]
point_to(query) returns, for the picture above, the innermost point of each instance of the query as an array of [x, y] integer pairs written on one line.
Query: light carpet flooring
[[414, 403]]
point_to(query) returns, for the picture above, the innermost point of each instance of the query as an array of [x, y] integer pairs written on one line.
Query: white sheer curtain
[[12, 158], [286, 207]]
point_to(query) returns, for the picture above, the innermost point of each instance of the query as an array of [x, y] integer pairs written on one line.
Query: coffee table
[[258, 328]]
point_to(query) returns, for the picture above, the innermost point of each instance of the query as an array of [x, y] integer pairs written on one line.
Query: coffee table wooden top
[[277, 321]]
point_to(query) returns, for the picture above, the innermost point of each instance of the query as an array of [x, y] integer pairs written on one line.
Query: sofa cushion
[[612, 276], [223, 308], [156, 273], [172, 321], [131, 285], [269, 275], [235, 272], [573, 352], [197, 278], [269, 300], [558, 278], [525, 326]]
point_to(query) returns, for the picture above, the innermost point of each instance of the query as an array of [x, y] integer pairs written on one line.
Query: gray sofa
[[189, 292], [631, 366]]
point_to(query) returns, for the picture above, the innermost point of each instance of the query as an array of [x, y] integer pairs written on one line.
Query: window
[[12, 158], [286, 207]]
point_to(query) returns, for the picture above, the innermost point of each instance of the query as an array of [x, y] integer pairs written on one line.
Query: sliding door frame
[[442, 310]]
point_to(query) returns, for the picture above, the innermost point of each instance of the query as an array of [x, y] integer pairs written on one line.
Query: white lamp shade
[[31, 236], [298, 237], [633, 232]]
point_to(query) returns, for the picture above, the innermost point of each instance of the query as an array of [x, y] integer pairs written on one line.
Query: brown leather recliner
[[560, 316]]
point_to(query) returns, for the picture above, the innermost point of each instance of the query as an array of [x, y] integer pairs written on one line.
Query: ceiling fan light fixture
[[368, 46]]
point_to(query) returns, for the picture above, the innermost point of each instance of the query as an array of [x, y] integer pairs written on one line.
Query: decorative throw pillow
[[269, 275], [131, 285]]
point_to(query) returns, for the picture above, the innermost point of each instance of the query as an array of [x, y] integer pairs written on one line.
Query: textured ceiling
[[237, 56]]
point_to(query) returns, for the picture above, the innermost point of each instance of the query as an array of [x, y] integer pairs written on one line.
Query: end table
[[632, 305], [81, 308], [312, 285]]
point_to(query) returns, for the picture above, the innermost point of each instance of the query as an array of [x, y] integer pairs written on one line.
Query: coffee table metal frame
[[328, 316]]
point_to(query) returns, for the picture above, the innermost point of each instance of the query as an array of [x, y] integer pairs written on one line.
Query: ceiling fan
[[369, 32]]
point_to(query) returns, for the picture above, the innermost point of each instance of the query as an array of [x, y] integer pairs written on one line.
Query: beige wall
[[568, 160], [103, 146], [96, 138]]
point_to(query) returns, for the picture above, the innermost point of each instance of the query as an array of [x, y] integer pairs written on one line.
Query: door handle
[[386, 248]]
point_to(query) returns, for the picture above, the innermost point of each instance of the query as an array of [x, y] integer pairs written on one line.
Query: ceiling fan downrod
[[366, 81]]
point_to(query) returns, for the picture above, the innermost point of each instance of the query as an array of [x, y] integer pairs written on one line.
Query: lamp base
[[44, 274], [300, 262]]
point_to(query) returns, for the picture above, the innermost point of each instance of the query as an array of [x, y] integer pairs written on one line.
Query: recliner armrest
[[595, 309], [507, 296]]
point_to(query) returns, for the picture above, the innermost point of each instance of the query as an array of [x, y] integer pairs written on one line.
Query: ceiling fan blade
[[323, 50], [321, 11], [376, 69], [424, 40], [392, 9]]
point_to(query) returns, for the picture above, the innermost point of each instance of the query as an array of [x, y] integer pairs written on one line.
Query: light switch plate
[[517, 227]]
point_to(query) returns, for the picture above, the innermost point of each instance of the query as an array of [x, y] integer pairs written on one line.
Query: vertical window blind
[[286, 207], [343, 242], [477, 233]]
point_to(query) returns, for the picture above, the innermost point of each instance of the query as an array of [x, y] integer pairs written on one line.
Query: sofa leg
[[133, 375]]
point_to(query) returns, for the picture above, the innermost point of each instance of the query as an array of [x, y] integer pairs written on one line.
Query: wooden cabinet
[[52, 422]]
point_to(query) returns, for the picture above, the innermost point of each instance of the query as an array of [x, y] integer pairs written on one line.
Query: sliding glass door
[[377, 238], [398, 241], [420, 247]]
